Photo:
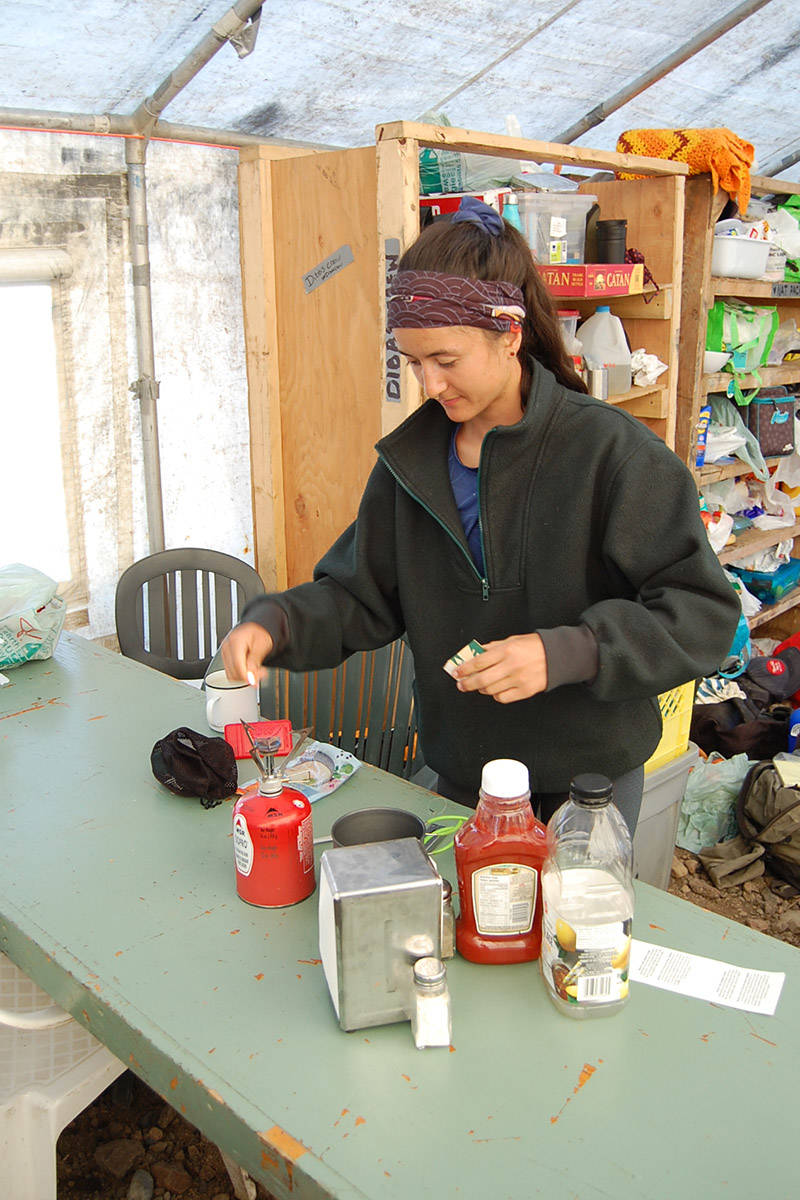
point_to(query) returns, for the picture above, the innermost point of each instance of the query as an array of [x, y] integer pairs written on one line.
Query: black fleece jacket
[[591, 536]]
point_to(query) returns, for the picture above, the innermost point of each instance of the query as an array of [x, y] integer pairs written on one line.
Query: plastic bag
[[31, 615], [722, 441], [450, 171], [786, 340], [750, 603], [646, 367], [725, 413], [785, 225], [708, 809]]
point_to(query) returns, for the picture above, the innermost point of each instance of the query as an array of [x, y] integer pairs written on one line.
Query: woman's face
[[470, 372]]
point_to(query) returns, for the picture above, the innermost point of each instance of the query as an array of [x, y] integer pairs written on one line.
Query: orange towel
[[727, 157]]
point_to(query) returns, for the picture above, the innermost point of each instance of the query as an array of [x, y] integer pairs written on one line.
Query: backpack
[[768, 813]]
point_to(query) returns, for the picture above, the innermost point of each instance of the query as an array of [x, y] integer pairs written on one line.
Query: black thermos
[[611, 239]]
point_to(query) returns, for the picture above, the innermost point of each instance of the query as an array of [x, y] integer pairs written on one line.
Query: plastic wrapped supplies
[[708, 809], [31, 615], [646, 368], [725, 413]]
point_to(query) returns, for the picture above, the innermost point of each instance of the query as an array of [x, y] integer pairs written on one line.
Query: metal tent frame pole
[[119, 125], [145, 386], [600, 112], [144, 121], [771, 169]]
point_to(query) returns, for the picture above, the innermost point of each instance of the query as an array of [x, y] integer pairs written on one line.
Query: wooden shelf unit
[[700, 290], [752, 541], [320, 235]]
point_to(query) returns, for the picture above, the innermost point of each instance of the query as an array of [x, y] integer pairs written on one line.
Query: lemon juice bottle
[[587, 894]]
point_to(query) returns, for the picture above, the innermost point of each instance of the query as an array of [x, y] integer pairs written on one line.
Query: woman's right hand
[[244, 651]]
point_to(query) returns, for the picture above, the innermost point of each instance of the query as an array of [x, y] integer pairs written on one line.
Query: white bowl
[[714, 360]]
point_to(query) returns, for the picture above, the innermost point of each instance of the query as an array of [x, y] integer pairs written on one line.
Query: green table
[[118, 899]]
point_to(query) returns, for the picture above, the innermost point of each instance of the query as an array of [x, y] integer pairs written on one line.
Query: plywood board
[[654, 211], [470, 142], [329, 338], [398, 222], [260, 332], [694, 312]]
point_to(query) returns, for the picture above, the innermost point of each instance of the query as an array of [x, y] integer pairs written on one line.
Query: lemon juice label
[[584, 962], [504, 898]]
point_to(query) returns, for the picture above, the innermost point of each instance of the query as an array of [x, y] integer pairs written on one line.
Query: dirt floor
[[130, 1145]]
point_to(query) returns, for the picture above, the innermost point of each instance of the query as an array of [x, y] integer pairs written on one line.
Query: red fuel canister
[[273, 846]]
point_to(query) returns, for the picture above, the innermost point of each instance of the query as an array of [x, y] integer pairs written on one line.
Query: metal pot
[[375, 825]]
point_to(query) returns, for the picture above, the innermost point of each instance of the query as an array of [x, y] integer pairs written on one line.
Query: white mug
[[229, 701]]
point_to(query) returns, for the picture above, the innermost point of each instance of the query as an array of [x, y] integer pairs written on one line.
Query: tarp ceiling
[[327, 71]]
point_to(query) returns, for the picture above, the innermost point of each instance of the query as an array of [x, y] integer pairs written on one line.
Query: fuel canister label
[[305, 843], [242, 845], [504, 898]]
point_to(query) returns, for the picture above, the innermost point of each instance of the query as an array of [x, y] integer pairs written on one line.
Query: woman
[[513, 509]]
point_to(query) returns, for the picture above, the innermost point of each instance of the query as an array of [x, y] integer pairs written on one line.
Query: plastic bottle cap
[[603, 308], [594, 790], [505, 778]]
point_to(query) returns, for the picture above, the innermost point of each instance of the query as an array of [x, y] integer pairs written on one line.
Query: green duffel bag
[[745, 331]]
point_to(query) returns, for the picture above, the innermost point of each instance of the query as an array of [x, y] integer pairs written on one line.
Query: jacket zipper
[[483, 581]]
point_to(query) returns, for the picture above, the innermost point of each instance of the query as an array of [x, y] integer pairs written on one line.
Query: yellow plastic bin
[[676, 719], [665, 776]]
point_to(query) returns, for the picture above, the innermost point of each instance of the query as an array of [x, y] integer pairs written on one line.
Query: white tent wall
[[70, 191]]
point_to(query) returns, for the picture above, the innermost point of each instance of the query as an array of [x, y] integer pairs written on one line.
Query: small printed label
[[599, 937], [504, 898], [305, 844], [558, 251], [242, 845], [585, 964], [391, 355], [710, 979], [558, 227], [329, 266]]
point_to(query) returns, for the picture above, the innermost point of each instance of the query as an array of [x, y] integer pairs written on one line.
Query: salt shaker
[[448, 920], [431, 1021]]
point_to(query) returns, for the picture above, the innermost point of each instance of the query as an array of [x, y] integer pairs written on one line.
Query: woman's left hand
[[512, 669]]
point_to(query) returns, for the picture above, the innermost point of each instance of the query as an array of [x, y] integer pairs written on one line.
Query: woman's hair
[[465, 248]]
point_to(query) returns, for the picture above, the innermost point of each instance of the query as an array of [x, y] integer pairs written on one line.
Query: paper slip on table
[[118, 899]]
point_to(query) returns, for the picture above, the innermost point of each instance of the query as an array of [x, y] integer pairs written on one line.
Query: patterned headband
[[431, 300]]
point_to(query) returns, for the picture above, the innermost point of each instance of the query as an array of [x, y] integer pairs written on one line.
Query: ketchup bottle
[[499, 855]]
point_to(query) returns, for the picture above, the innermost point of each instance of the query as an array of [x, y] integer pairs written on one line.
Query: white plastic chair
[[50, 1070]]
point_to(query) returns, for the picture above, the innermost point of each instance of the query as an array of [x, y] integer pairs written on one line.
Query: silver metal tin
[[598, 382], [380, 909]]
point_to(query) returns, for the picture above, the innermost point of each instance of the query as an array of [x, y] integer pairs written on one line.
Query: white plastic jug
[[605, 345]]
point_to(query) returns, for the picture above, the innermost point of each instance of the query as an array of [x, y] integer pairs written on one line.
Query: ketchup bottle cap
[[505, 778]]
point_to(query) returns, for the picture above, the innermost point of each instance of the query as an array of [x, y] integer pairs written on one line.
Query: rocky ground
[[130, 1145], [759, 903]]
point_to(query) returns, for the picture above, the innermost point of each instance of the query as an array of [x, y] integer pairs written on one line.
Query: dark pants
[[628, 791]]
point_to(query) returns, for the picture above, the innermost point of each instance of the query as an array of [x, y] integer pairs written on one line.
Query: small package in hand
[[471, 650]]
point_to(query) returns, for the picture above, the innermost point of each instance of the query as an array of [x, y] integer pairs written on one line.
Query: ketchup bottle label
[[242, 845], [504, 898]]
